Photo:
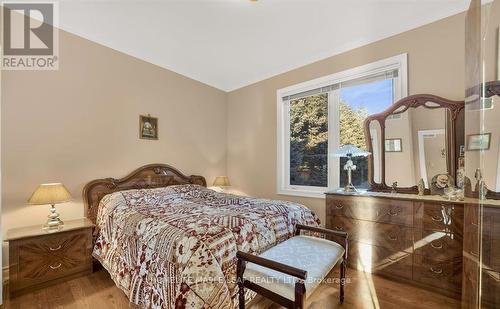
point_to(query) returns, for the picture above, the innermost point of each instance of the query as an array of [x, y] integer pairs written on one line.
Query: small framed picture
[[148, 127], [478, 141], [393, 145]]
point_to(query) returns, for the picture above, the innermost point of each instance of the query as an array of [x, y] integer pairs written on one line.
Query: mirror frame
[[454, 109]]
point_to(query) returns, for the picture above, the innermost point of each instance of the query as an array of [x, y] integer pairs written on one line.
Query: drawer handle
[[55, 249], [339, 206], [391, 237], [55, 267], [437, 218], [436, 271], [438, 246], [393, 212]]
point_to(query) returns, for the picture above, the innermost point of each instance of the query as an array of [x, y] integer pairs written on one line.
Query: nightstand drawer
[[38, 260]]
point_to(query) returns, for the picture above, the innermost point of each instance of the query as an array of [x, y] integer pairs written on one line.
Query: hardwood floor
[[98, 291]]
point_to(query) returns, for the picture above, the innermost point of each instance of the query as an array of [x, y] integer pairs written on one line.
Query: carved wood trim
[[414, 101], [490, 89], [148, 176]]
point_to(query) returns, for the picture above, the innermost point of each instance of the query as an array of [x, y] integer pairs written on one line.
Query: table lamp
[[349, 151], [221, 182], [51, 194]]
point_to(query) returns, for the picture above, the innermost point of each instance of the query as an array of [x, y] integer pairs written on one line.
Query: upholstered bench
[[289, 272]]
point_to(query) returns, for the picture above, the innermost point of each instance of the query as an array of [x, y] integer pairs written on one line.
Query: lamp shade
[[50, 193], [349, 150], [221, 181]]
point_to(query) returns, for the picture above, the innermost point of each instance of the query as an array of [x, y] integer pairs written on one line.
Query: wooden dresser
[[38, 259], [402, 236]]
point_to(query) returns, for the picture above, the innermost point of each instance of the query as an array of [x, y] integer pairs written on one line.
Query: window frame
[[283, 187]]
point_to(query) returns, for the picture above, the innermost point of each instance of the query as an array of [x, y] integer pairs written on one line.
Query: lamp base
[[53, 222], [350, 188]]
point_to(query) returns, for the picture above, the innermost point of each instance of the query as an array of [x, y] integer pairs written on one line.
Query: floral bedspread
[[175, 247]]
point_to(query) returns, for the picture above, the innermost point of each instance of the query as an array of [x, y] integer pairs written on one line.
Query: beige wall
[[436, 65], [397, 168], [81, 122]]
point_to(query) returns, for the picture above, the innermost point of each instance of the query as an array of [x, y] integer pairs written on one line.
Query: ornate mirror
[[416, 138]]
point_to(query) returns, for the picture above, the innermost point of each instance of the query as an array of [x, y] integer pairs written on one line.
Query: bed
[[169, 242]]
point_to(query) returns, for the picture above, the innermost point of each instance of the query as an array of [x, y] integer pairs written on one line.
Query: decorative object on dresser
[[421, 187], [287, 273], [148, 127], [349, 151], [51, 193], [440, 182], [38, 259], [406, 237], [426, 125], [480, 189]]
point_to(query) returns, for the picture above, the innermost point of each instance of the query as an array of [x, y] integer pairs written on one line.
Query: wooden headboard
[[148, 176]]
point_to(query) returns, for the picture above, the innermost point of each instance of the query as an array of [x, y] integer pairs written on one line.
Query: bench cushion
[[315, 255]]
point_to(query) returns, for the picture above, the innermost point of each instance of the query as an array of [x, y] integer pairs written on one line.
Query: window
[[318, 116]]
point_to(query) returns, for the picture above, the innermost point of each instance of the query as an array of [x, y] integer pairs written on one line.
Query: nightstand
[[38, 258]]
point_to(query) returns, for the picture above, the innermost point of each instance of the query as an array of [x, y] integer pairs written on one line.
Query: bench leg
[[240, 269], [241, 296], [342, 280], [300, 295]]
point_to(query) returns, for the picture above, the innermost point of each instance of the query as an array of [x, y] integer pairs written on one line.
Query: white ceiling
[[232, 43]]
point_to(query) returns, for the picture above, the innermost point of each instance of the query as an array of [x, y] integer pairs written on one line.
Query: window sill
[[302, 193]]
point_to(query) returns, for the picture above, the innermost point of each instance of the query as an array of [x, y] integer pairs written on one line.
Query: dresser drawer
[[484, 233], [446, 275], [372, 209], [437, 244], [390, 236], [439, 216], [471, 240], [470, 284], [490, 289], [491, 251], [380, 260], [45, 258], [471, 214]]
